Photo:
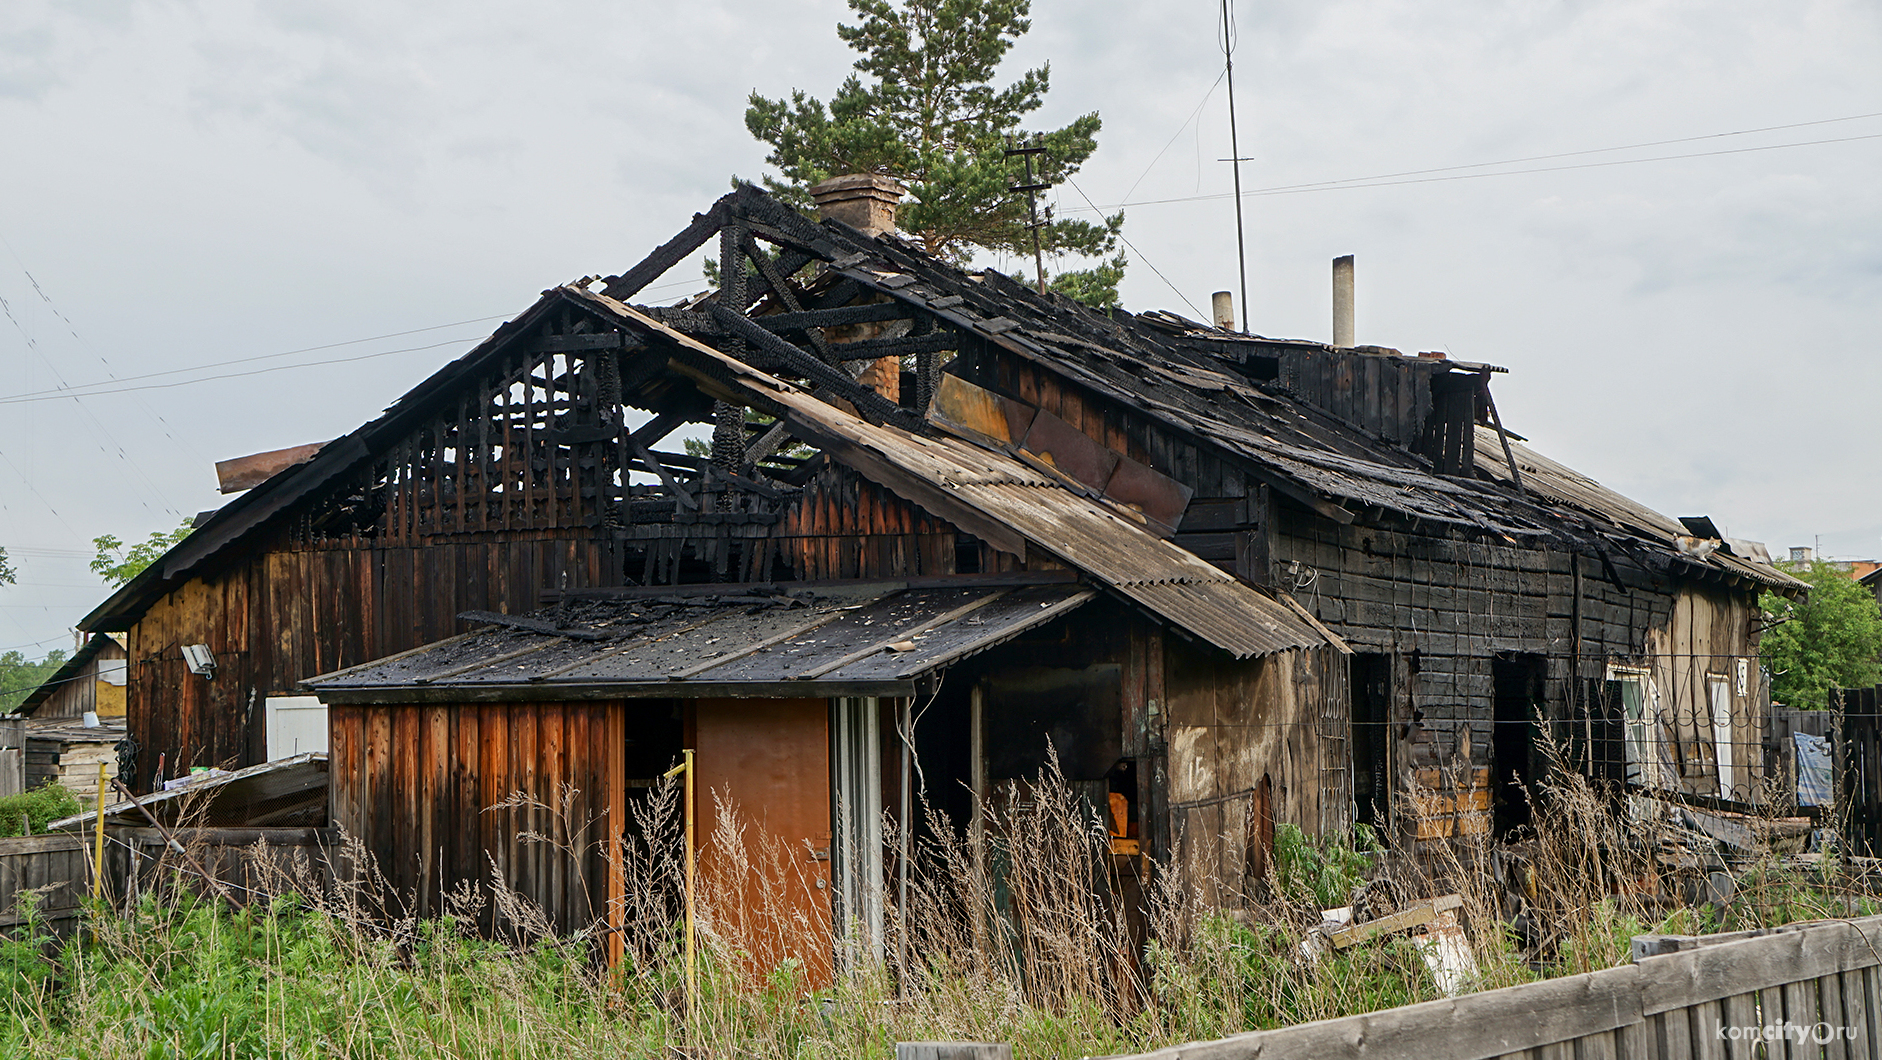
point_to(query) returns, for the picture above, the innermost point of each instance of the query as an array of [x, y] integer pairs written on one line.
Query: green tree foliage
[[19, 676], [116, 564], [1831, 640], [6, 569], [930, 116]]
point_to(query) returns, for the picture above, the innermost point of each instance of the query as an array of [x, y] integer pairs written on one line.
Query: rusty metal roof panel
[[882, 634]]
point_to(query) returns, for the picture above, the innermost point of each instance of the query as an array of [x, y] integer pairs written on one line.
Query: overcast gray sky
[[198, 181]]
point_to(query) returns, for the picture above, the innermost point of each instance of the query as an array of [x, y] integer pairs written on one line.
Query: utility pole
[[1033, 186]]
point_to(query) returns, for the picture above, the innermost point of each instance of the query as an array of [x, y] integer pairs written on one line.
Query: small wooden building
[[91, 681]]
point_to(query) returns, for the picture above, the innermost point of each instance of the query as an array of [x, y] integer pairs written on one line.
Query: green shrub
[[30, 812], [1323, 871]]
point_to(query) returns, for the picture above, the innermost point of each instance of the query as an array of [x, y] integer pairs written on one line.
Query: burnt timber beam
[[605, 340], [775, 276], [781, 224], [652, 463], [650, 433], [867, 401], [673, 251], [870, 349], [843, 293], [837, 317]]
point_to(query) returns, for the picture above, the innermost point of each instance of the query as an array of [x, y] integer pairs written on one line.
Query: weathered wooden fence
[[1807, 990], [244, 862], [57, 867], [1858, 751]]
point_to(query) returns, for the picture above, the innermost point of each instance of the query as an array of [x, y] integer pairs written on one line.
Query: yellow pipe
[[98, 855]]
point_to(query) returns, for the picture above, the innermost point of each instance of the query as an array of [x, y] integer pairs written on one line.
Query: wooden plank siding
[[420, 786], [291, 611]]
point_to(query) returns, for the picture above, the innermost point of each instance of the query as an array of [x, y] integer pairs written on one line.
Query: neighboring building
[[1200, 524], [58, 745], [91, 681]]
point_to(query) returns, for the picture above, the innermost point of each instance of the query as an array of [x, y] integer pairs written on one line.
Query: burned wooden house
[[1229, 581]]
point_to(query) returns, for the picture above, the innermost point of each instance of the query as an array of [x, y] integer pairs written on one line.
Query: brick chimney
[[865, 202]]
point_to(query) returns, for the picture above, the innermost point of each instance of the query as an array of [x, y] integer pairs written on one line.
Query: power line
[[1140, 254], [83, 389], [1592, 151], [1179, 132], [1380, 181], [56, 395], [89, 389]]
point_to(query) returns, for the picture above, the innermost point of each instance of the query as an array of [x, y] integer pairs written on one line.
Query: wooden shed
[[91, 681]]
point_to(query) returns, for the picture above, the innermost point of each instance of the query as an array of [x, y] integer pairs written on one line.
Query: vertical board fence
[[245, 863], [1859, 766], [1806, 990], [57, 867]]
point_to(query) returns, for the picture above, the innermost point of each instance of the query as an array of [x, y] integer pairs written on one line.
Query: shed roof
[[287, 791], [875, 638]]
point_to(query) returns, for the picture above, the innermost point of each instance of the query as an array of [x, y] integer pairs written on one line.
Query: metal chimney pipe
[[1343, 300], [1223, 304]]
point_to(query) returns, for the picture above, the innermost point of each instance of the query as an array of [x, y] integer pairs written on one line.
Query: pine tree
[[930, 116]]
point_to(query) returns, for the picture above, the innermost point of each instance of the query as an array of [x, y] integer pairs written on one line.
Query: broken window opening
[[1517, 681], [1370, 684]]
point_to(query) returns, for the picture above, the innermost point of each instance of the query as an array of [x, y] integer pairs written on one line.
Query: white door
[[296, 725], [1720, 688]]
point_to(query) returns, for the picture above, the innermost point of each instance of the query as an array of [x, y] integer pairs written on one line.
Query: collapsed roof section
[[540, 427]]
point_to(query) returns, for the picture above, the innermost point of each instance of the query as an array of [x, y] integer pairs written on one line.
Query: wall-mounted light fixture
[[201, 660]]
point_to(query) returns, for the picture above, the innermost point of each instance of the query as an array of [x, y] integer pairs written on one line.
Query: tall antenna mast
[[1235, 155]]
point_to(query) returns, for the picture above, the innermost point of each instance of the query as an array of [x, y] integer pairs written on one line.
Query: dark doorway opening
[[1371, 684], [1513, 768]]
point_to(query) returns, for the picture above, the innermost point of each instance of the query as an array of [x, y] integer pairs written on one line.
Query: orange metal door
[[764, 826]]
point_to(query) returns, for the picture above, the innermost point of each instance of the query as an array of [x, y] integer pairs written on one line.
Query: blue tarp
[[1813, 770]]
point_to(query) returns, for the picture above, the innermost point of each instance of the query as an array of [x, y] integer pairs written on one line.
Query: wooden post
[[953, 1051], [98, 855]]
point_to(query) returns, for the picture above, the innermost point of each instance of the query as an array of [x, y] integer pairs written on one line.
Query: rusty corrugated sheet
[[844, 640]]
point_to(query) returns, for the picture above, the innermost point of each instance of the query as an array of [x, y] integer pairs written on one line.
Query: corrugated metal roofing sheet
[[806, 641]]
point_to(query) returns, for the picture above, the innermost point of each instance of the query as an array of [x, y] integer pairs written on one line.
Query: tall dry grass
[[1024, 929]]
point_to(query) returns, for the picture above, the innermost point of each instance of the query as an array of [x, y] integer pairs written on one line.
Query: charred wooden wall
[[1226, 521], [1252, 744], [509, 483], [443, 794], [843, 526], [1446, 606], [291, 610]]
